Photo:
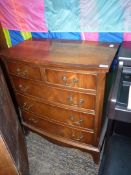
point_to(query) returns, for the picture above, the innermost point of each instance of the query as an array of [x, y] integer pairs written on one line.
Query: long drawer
[[57, 114], [71, 79], [57, 95], [59, 130], [24, 70]]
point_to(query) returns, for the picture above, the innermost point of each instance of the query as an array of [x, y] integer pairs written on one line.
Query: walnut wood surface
[[71, 79], [58, 129], [51, 112], [58, 95], [59, 86], [62, 52], [25, 71]]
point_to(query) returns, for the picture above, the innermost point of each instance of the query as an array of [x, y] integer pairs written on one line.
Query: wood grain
[[62, 53], [57, 129], [56, 114], [58, 95], [61, 96], [71, 79]]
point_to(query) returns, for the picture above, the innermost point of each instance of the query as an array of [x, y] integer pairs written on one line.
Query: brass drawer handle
[[70, 101], [18, 70], [24, 89], [26, 106], [33, 120], [72, 118], [79, 122], [21, 73], [81, 101], [77, 137], [74, 81]]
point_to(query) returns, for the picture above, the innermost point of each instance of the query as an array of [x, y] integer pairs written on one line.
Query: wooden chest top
[[63, 53]]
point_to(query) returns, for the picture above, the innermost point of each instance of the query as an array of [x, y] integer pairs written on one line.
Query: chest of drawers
[[59, 87]]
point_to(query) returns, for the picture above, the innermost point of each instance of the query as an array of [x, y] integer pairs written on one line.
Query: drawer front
[[71, 79], [59, 130], [56, 113], [56, 95], [23, 70]]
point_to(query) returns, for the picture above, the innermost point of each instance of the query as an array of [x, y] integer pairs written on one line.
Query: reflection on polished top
[[87, 54]]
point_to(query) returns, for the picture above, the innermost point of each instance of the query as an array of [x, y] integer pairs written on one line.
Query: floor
[[46, 158], [117, 157]]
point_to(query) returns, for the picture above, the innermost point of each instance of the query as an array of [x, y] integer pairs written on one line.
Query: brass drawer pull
[[79, 122], [70, 101], [26, 106], [18, 70], [64, 78], [74, 81], [78, 137], [72, 118], [24, 89], [81, 101], [21, 73], [33, 120]]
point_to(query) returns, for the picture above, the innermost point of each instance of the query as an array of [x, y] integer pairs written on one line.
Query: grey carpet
[[46, 158]]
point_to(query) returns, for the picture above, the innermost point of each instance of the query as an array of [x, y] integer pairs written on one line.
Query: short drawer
[[23, 70], [71, 79], [57, 129], [56, 95], [57, 114]]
